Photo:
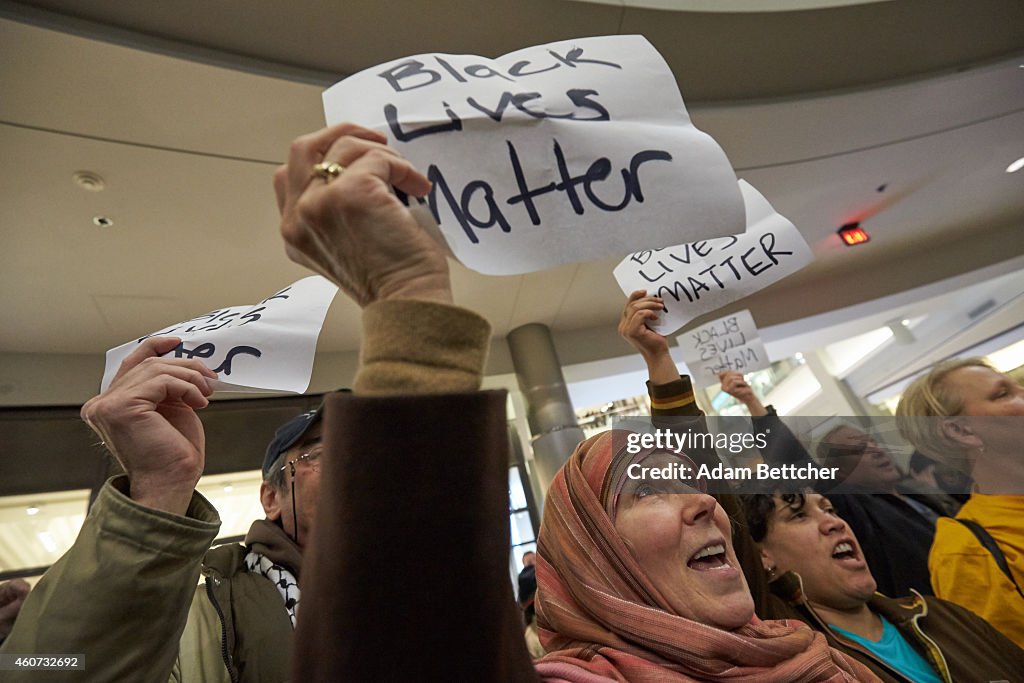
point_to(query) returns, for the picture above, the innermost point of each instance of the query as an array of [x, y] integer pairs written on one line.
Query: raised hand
[[737, 387], [639, 310], [147, 420], [340, 217]]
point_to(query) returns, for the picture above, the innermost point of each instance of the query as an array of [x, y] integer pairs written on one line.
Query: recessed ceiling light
[[87, 180], [102, 222], [1015, 166], [31, 510]]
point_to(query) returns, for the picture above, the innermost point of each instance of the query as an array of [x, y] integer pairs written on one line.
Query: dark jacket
[[961, 646]]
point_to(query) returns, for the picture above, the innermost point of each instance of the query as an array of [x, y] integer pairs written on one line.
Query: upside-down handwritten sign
[[554, 154], [266, 346], [698, 277], [729, 343]]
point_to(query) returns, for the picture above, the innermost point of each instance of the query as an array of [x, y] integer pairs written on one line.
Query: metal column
[[550, 413]]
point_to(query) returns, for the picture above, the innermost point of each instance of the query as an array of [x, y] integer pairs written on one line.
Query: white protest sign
[[729, 343], [554, 154], [269, 345], [699, 277]]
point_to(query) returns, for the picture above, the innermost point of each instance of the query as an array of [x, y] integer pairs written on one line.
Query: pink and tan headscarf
[[600, 617]]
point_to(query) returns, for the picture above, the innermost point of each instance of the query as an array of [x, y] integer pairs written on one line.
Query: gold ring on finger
[[328, 170]]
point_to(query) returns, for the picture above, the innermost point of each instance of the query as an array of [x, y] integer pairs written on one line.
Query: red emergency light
[[852, 234]]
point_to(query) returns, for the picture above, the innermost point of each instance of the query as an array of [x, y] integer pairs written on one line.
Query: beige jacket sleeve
[[414, 347], [120, 596]]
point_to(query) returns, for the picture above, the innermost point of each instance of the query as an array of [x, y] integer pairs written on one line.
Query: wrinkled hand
[[12, 597], [737, 387], [639, 309], [353, 229], [147, 420]]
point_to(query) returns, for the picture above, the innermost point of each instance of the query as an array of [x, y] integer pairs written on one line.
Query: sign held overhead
[[699, 277], [554, 154]]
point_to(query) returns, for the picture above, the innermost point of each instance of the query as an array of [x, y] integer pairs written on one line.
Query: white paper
[[503, 140], [700, 277], [265, 346], [729, 343]]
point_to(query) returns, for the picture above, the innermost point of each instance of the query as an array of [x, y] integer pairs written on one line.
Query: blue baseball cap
[[289, 434]]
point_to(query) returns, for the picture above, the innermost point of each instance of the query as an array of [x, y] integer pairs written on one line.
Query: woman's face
[[682, 539], [998, 404], [813, 541], [986, 392]]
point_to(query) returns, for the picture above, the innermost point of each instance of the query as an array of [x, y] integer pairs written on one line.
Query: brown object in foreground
[[407, 573]]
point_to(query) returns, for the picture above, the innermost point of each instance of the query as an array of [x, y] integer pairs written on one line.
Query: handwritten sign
[[554, 154], [269, 345], [729, 343], [699, 277]]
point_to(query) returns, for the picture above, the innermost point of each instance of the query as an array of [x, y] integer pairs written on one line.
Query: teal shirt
[[893, 649]]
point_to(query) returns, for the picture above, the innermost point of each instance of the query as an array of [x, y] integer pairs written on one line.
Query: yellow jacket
[[964, 572]]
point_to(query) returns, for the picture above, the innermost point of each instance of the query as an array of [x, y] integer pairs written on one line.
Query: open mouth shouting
[[847, 555], [711, 557]]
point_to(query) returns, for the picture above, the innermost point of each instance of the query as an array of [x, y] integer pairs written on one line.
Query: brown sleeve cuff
[[673, 398], [419, 347]]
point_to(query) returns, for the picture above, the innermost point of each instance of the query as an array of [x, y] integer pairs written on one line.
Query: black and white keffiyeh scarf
[[286, 584]]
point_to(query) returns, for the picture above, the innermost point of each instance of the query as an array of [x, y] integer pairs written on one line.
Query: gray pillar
[[550, 413]]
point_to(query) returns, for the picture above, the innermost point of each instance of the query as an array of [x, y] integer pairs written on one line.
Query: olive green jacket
[[120, 596], [125, 598], [237, 628]]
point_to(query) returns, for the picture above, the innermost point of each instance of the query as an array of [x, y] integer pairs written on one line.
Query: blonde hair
[[931, 396]]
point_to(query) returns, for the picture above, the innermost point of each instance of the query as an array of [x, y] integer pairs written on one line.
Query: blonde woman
[[966, 414]]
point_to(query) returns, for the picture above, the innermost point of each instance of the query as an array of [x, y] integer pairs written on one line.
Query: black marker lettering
[[518, 69], [525, 195], [225, 366], [391, 115], [753, 269], [768, 248], [495, 216], [634, 168], [697, 285], [439, 184], [674, 292], [710, 271], [451, 69], [408, 69], [573, 57], [581, 98], [484, 71]]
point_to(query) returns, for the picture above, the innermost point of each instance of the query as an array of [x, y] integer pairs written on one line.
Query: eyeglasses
[[310, 460]]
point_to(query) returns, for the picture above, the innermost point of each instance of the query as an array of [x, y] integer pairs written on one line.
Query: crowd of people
[[636, 579]]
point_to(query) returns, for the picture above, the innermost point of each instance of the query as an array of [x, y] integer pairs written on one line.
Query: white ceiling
[[173, 106]]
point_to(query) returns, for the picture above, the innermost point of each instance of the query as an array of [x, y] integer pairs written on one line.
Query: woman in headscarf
[[638, 581], [965, 414], [635, 582]]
